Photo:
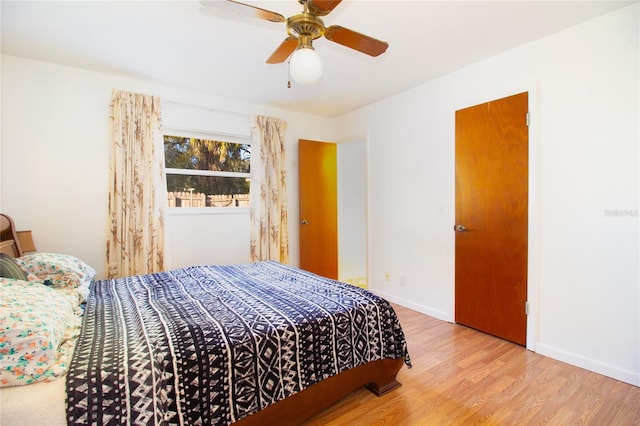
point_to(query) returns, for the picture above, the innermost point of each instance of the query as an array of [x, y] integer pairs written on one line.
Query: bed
[[260, 343]]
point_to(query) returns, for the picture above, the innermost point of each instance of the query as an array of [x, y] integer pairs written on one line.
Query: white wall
[[584, 95], [584, 263], [55, 162]]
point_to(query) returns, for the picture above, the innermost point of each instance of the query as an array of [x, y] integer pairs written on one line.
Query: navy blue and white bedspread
[[209, 345]]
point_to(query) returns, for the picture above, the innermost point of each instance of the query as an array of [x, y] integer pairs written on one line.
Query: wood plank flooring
[[464, 377]]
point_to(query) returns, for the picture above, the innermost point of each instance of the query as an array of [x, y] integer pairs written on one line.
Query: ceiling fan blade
[[245, 9], [354, 40], [283, 51], [322, 7]]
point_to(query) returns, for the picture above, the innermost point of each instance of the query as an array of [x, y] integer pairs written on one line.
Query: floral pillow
[[60, 270], [38, 329]]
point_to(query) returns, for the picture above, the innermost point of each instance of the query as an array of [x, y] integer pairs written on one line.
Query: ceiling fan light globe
[[306, 66]]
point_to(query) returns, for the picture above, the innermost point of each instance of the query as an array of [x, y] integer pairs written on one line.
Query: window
[[206, 170]]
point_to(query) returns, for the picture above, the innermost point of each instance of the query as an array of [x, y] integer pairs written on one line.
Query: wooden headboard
[[9, 241]]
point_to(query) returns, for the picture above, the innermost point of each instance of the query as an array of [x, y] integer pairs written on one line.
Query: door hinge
[[528, 119], [526, 308]]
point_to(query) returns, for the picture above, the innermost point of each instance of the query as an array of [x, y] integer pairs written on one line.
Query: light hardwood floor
[[464, 377]]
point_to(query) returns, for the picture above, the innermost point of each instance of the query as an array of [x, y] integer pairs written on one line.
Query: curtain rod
[[208, 108]]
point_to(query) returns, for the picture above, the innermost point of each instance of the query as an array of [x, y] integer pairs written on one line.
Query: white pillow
[[62, 270]]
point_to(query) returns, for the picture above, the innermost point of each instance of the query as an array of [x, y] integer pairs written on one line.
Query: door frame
[[534, 210]]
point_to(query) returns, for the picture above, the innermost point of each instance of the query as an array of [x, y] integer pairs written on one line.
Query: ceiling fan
[[302, 29]]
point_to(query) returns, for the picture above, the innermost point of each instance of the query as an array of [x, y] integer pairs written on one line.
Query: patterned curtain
[[269, 232], [137, 193]]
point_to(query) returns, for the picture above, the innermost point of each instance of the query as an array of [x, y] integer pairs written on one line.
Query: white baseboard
[[418, 308], [627, 376], [633, 378]]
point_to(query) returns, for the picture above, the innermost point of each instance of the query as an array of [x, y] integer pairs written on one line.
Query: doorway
[[333, 209], [352, 213], [491, 242]]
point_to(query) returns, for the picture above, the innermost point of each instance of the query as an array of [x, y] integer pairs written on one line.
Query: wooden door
[[318, 193], [491, 217]]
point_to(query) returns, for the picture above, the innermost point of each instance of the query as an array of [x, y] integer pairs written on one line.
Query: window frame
[[210, 135]]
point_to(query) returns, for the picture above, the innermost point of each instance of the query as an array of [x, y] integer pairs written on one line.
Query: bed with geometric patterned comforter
[[214, 344]]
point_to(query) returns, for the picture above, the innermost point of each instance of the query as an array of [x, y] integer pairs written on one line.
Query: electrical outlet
[[387, 276], [403, 280]]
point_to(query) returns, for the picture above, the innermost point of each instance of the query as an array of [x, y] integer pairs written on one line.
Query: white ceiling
[[184, 44]]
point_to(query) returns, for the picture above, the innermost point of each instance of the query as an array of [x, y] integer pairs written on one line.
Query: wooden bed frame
[[13, 242], [378, 376], [9, 241]]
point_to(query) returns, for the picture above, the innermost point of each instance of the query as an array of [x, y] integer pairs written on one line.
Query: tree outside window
[[206, 172]]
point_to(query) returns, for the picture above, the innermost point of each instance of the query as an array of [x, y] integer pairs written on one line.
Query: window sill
[[191, 211]]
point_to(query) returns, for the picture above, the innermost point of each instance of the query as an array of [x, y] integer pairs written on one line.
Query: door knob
[[459, 228], [304, 222]]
